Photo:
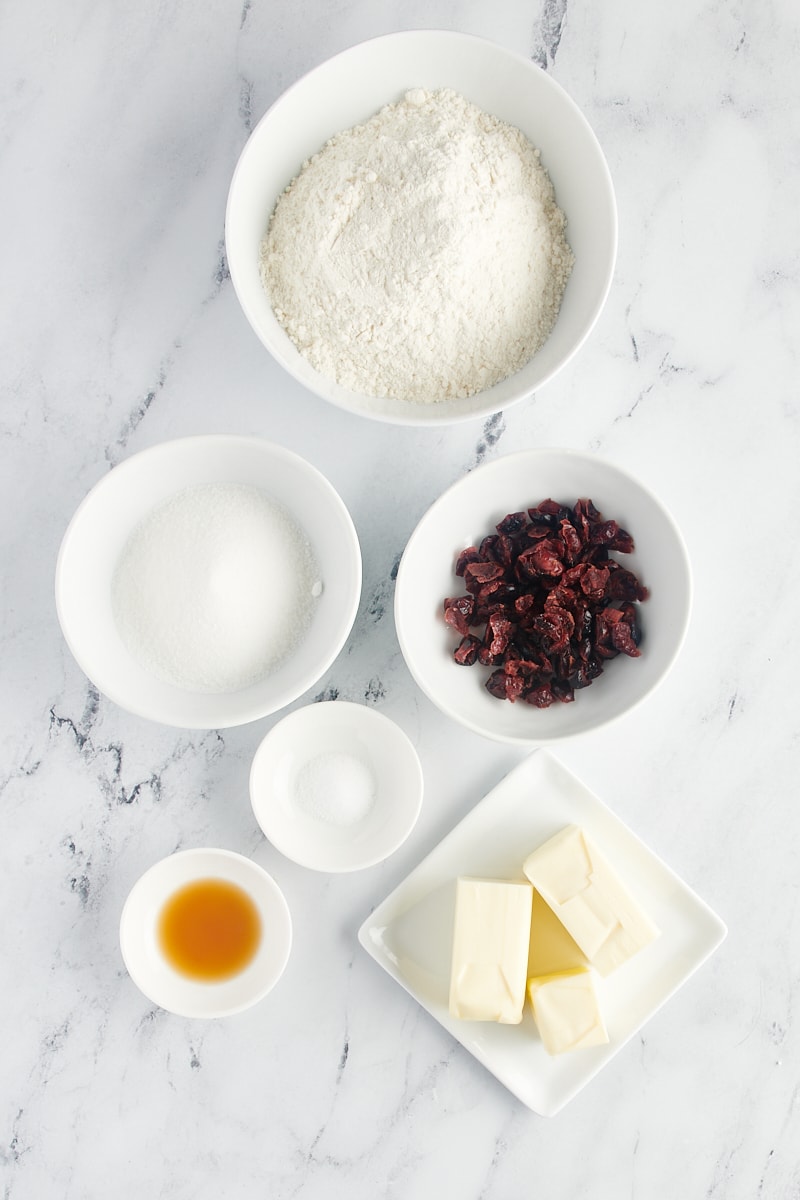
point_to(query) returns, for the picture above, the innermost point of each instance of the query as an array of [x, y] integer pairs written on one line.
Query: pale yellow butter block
[[490, 950], [566, 1011], [551, 949], [590, 900]]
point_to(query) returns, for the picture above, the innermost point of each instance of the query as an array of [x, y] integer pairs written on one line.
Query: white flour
[[421, 255]]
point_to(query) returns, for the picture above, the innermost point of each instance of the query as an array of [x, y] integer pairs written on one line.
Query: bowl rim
[[281, 913], [410, 413], [531, 453], [356, 714], [255, 710]]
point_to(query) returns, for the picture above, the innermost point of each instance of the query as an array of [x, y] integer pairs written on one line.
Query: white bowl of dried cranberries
[[543, 595]]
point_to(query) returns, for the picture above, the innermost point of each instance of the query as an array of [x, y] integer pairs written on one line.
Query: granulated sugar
[[421, 255], [215, 588]]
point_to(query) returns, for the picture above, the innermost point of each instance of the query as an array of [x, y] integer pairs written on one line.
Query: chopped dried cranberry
[[554, 626], [467, 651], [622, 638], [458, 611], [500, 630], [505, 687], [623, 584], [481, 572], [572, 542], [594, 582], [470, 555], [504, 550], [512, 523], [609, 534]]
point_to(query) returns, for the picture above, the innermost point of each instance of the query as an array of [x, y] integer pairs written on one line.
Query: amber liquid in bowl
[[209, 930]]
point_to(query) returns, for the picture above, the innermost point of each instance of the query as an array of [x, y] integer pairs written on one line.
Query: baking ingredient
[[552, 950], [554, 604], [588, 897], [566, 1011], [335, 788], [421, 255], [214, 588], [209, 930], [490, 950]]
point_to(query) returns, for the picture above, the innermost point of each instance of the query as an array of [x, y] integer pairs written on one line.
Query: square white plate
[[410, 933]]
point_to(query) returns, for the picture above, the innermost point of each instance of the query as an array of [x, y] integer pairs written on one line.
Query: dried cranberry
[[512, 523], [594, 582], [500, 630], [458, 611], [466, 652], [470, 555], [609, 534], [481, 572]]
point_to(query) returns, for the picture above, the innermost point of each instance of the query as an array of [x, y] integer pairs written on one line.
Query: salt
[[215, 588], [335, 788]]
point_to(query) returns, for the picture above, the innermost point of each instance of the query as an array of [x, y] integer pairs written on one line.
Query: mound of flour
[[420, 255]]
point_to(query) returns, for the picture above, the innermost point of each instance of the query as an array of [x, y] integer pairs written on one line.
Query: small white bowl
[[463, 516], [348, 89], [331, 728], [153, 974], [105, 520]]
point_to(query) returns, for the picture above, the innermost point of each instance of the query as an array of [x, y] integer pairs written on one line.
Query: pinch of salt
[[335, 788]]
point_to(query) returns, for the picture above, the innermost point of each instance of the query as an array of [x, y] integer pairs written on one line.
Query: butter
[[552, 949], [590, 900], [491, 934], [566, 1011]]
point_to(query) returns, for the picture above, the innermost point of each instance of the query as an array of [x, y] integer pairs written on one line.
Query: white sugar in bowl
[[163, 623]]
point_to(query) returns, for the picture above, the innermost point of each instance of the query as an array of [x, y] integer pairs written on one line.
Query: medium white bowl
[[336, 728], [105, 520], [349, 88], [463, 516], [151, 971]]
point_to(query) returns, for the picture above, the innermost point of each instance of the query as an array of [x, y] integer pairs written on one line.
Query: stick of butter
[[566, 1011], [589, 899], [490, 950]]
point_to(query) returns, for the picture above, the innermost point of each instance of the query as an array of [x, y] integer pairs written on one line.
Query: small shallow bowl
[[349, 88], [336, 727], [105, 520], [463, 516], [151, 971]]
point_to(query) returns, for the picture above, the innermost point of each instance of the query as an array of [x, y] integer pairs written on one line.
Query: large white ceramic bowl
[[463, 516], [105, 520], [348, 89], [323, 733], [152, 971]]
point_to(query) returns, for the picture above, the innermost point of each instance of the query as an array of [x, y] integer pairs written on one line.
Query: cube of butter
[[490, 950], [566, 1011], [587, 896], [552, 949]]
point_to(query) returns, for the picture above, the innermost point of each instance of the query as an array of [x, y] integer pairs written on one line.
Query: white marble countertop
[[119, 129]]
